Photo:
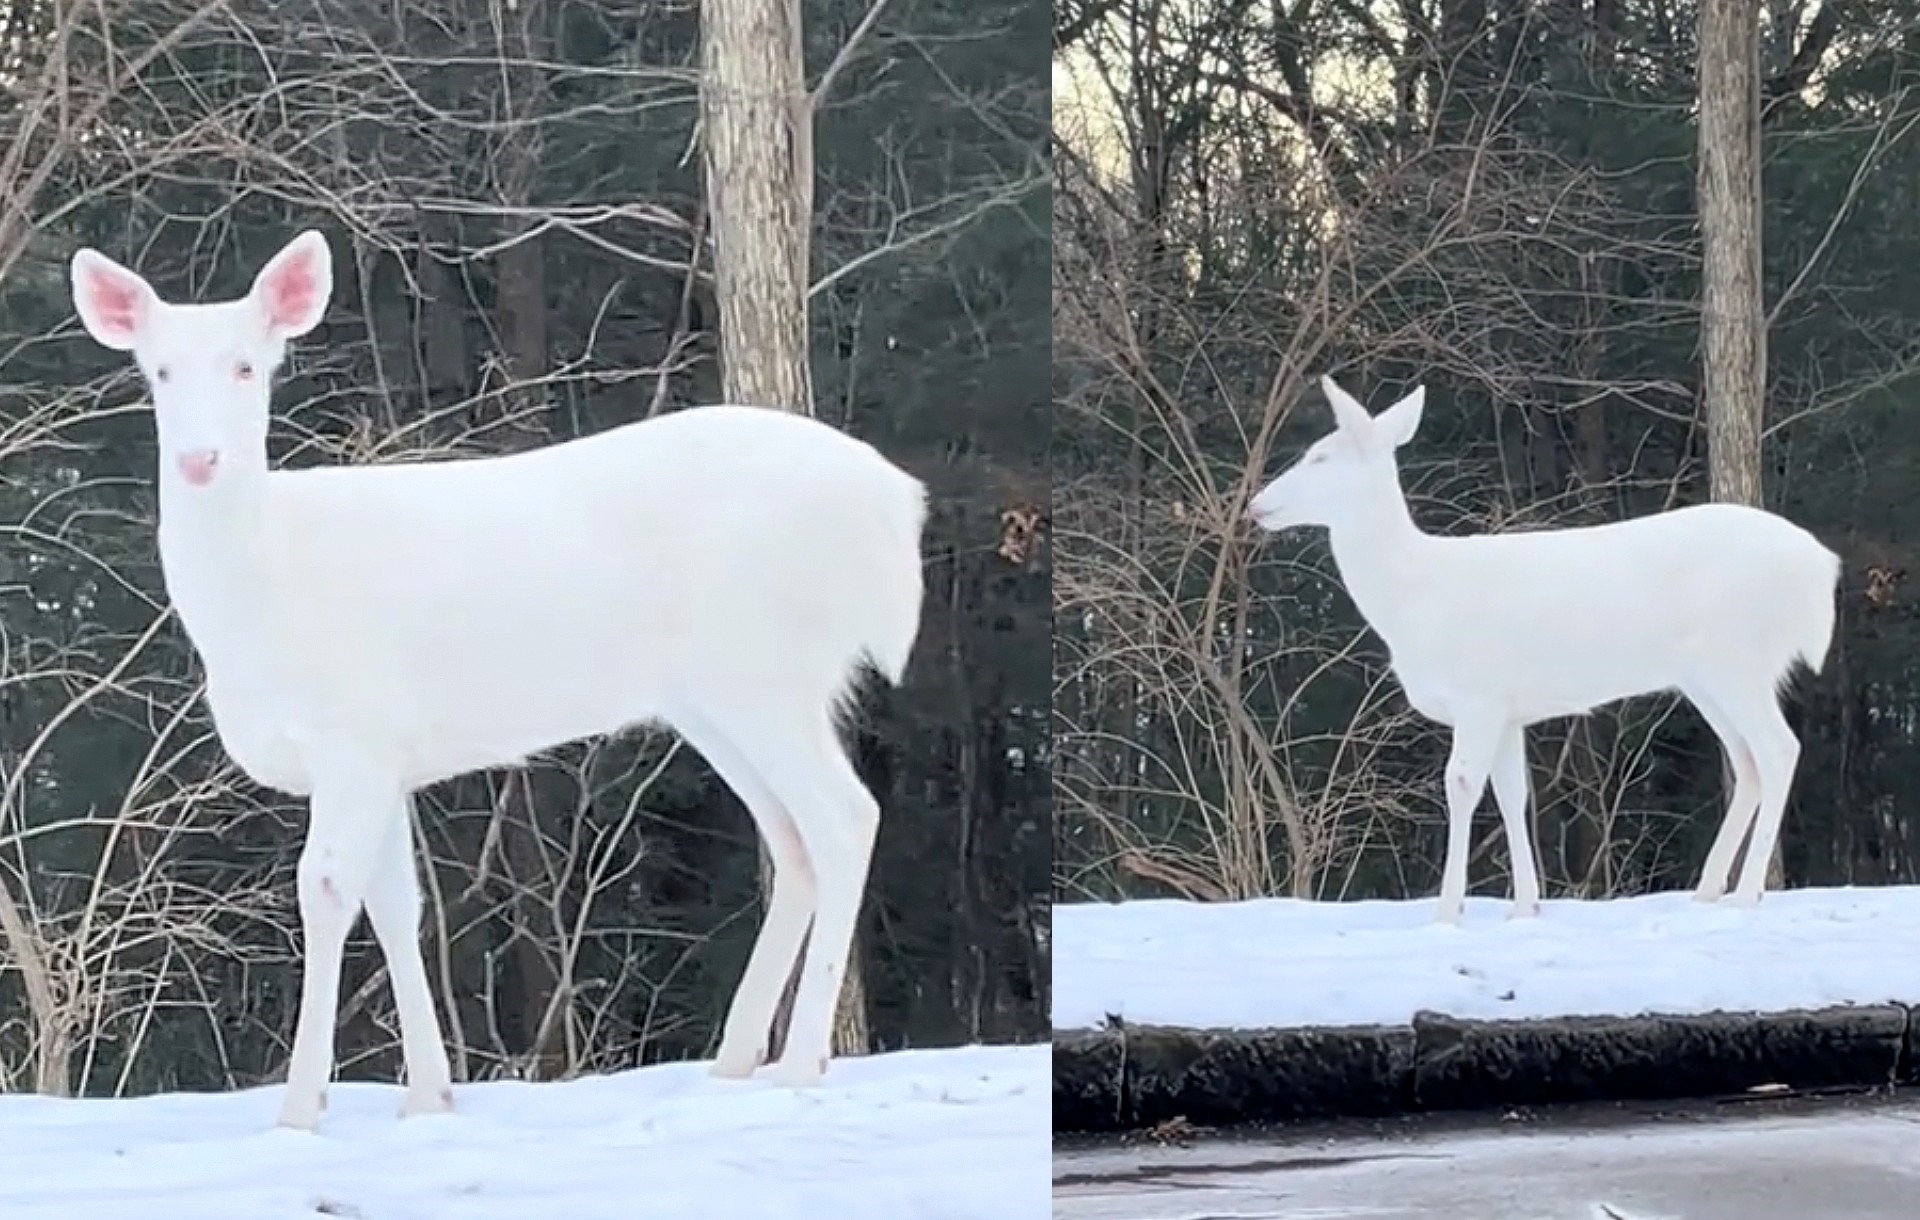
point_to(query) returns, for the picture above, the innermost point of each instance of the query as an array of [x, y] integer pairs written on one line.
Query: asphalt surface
[[1854, 1158]]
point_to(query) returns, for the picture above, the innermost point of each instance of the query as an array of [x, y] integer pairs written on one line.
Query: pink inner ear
[[290, 291], [114, 302]]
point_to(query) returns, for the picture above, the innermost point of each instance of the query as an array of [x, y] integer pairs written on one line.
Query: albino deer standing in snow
[[1491, 633], [370, 630]]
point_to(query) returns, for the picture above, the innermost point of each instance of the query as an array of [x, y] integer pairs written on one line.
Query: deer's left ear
[[1397, 424]]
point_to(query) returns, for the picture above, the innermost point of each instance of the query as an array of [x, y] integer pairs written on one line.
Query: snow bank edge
[[1132, 1077]]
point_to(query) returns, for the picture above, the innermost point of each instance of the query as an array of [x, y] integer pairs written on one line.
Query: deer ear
[[1399, 422], [1347, 411], [293, 288], [114, 303]]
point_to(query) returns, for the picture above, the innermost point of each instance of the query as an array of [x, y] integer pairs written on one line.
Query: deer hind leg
[[1776, 753], [837, 819], [1476, 744], [1742, 807], [790, 905], [353, 814], [1510, 792], [393, 909]]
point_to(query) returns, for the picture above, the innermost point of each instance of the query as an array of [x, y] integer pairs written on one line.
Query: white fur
[[369, 630], [1494, 632]]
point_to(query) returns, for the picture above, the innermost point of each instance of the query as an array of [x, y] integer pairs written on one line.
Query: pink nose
[[197, 466]]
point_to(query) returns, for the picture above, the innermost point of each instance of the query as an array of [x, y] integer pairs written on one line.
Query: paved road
[[1847, 1161]]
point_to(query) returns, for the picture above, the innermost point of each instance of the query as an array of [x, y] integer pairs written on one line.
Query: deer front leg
[[1476, 742], [393, 908], [350, 821]]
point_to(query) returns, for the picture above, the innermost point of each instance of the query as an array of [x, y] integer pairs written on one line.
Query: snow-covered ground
[[920, 1135], [1282, 963]]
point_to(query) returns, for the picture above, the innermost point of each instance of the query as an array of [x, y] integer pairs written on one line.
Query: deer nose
[[197, 466]]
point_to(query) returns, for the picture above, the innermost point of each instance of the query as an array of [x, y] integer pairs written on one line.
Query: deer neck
[[213, 560], [1380, 552]]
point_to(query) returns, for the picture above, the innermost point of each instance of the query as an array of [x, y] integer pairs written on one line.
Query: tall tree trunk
[[520, 308], [515, 419], [1733, 326], [757, 148], [1733, 338], [754, 121]]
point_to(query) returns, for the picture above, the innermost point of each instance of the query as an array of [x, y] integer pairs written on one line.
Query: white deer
[[1493, 632], [370, 630]]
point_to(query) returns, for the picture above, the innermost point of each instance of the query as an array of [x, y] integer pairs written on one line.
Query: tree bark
[[754, 117], [516, 419], [756, 148], [1733, 337], [1733, 328]]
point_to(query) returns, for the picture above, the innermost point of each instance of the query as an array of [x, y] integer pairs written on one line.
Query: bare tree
[[1733, 319], [756, 123], [86, 969]]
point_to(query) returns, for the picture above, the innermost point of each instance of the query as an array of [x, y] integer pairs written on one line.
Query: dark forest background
[[514, 200]]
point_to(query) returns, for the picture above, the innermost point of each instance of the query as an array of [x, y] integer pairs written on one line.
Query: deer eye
[[243, 370]]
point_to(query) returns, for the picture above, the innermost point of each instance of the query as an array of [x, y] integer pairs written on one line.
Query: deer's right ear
[[114, 304], [1348, 413]]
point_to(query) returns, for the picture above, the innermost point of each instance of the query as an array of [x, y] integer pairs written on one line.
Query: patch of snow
[[930, 1135], [1285, 963]]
